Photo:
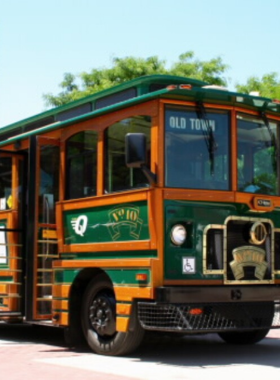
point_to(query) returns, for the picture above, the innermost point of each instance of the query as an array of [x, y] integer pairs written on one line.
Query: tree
[[268, 86], [128, 68], [208, 71]]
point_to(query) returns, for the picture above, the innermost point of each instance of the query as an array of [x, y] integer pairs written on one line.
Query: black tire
[[262, 315], [99, 321], [246, 337]]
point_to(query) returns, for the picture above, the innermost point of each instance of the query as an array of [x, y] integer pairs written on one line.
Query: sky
[[40, 40]]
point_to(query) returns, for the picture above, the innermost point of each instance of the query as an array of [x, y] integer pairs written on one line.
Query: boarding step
[[10, 314]]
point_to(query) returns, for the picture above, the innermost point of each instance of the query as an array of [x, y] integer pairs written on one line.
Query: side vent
[[215, 248], [277, 251]]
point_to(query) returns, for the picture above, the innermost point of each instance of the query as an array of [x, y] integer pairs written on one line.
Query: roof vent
[[215, 87], [254, 93]]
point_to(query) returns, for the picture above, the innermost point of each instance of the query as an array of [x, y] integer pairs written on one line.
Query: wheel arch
[[74, 333]]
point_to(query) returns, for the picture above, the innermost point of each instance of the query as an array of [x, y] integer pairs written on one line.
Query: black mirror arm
[[152, 177]]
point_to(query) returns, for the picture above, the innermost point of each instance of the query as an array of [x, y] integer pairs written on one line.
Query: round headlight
[[178, 234]]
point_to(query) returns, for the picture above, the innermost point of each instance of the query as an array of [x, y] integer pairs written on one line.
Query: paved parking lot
[[40, 353]]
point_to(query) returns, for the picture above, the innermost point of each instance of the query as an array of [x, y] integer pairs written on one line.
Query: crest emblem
[[127, 216], [248, 256]]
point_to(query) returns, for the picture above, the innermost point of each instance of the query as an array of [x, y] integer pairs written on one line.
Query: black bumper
[[201, 294], [211, 309]]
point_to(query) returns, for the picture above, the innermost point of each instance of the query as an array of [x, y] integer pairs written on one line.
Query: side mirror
[[135, 150]]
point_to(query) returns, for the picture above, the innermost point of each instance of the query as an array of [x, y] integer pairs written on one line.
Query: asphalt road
[[28, 353]]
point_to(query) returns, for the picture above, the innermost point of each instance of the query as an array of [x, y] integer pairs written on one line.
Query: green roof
[[135, 91]]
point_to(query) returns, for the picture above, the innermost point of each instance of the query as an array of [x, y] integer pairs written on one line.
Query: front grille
[[214, 317], [237, 250], [238, 236]]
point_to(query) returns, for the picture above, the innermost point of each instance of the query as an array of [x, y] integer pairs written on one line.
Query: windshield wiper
[[208, 134], [271, 134]]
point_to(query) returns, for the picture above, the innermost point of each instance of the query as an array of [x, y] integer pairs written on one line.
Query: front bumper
[[217, 309], [201, 294]]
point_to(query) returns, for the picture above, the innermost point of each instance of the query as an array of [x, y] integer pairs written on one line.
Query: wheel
[[99, 321], [246, 337], [261, 314]]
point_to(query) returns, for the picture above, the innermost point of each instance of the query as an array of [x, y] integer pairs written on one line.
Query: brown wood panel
[[103, 263], [199, 195]]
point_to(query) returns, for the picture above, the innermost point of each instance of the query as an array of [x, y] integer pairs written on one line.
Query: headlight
[[178, 234]]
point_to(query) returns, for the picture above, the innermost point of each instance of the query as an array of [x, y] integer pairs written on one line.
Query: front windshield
[[257, 158], [196, 149]]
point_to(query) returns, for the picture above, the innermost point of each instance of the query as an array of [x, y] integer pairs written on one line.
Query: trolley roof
[[135, 91]]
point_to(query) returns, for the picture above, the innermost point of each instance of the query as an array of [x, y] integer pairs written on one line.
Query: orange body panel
[[122, 324]]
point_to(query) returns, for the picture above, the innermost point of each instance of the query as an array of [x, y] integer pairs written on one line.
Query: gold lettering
[[115, 216]]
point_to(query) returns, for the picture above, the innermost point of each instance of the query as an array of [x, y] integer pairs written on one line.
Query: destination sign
[[194, 124], [188, 122]]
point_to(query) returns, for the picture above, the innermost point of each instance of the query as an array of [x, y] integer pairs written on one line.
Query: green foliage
[[208, 71], [268, 86], [128, 68]]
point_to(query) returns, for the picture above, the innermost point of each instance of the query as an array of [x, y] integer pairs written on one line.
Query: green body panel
[[127, 222], [6, 279], [196, 216], [117, 276], [65, 276], [128, 276], [111, 255]]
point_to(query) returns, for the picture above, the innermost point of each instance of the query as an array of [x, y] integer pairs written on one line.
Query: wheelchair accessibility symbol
[[189, 265]]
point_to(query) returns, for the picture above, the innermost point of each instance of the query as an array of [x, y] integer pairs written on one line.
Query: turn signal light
[[141, 277]]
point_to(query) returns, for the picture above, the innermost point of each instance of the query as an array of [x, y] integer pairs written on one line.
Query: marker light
[[172, 87], [141, 277], [185, 86], [180, 87], [178, 234]]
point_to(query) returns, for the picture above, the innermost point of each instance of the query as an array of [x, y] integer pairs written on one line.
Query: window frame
[[81, 155], [255, 117], [99, 123], [129, 172]]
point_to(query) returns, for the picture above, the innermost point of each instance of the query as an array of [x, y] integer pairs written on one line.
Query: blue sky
[[40, 40]]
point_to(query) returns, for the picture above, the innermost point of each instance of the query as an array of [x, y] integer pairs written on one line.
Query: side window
[[5, 182], [81, 164], [117, 176]]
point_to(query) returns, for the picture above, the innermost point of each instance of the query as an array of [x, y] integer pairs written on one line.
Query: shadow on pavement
[[189, 351], [21, 333]]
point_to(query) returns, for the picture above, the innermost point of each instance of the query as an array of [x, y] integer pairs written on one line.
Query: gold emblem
[[125, 216], [248, 256]]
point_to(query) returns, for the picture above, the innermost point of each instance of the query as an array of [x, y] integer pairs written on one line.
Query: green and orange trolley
[[150, 206]]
